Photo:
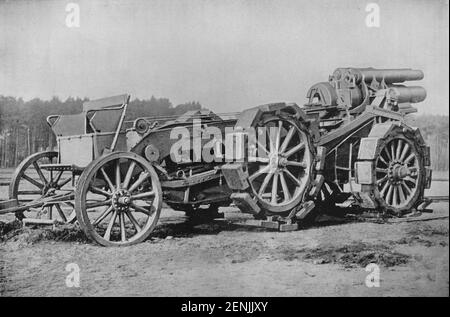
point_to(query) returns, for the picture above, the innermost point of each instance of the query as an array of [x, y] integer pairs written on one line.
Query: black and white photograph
[[224, 153]]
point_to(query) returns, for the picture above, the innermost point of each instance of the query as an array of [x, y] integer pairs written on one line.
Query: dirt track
[[225, 258]]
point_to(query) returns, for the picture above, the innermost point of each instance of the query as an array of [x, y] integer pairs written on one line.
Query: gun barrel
[[390, 76], [411, 94]]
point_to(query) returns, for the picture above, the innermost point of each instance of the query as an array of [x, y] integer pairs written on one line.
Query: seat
[[101, 115], [83, 137], [70, 124], [104, 114]]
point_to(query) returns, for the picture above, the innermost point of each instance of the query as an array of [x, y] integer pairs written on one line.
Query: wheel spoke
[[287, 195], [385, 187], [409, 158], [274, 189], [389, 195], [107, 235], [404, 152], [262, 147], [32, 181], [143, 195], [107, 179], [103, 215], [387, 154], [382, 180], [298, 164], [401, 194], [123, 233], [383, 160], [118, 181], [139, 181], [264, 184], [395, 196], [133, 221], [261, 171], [61, 212], [287, 139], [413, 170], [142, 209], [278, 136], [381, 170], [399, 148], [130, 171], [410, 179], [99, 191], [392, 151], [58, 177], [295, 149], [64, 182], [406, 187], [291, 176], [271, 143], [98, 204], [39, 171]]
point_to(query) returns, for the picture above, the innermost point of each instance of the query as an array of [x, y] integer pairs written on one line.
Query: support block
[[288, 227], [318, 182], [235, 176], [245, 203], [270, 224], [306, 209], [366, 200]]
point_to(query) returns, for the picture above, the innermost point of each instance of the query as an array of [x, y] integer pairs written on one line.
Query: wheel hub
[[121, 200], [274, 162], [49, 189], [397, 171]]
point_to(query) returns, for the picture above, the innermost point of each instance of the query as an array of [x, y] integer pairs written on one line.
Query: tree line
[[434, 129], [24, 129]]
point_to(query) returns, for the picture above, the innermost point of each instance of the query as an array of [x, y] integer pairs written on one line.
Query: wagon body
[[349, 141]]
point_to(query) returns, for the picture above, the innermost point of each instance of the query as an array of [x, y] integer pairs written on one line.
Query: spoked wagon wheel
[[31, 182], [280, 175], [399, 174], [118, 199]]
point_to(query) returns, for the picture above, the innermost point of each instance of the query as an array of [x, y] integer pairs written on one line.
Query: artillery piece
[[350, 140]]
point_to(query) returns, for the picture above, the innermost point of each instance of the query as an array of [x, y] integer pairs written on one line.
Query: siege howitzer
[[350, 140]]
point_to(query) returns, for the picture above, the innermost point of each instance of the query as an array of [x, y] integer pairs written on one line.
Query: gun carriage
[[350, 140]]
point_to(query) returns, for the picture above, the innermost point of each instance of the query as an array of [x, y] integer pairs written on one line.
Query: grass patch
[[14, 231], [356, 254]]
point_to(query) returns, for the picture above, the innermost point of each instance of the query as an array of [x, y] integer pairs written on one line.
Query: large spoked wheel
[[280, 175], [118, 199], [31, 182], [399, 174]]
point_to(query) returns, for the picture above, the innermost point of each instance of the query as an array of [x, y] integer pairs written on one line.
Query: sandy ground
[[230, 257]]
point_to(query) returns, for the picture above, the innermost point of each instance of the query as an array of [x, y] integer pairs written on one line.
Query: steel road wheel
[[399, 173], [30, 182], [118, 199], [282, 172]]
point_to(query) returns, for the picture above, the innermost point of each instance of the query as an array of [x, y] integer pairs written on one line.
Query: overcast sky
[[228, 55]]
